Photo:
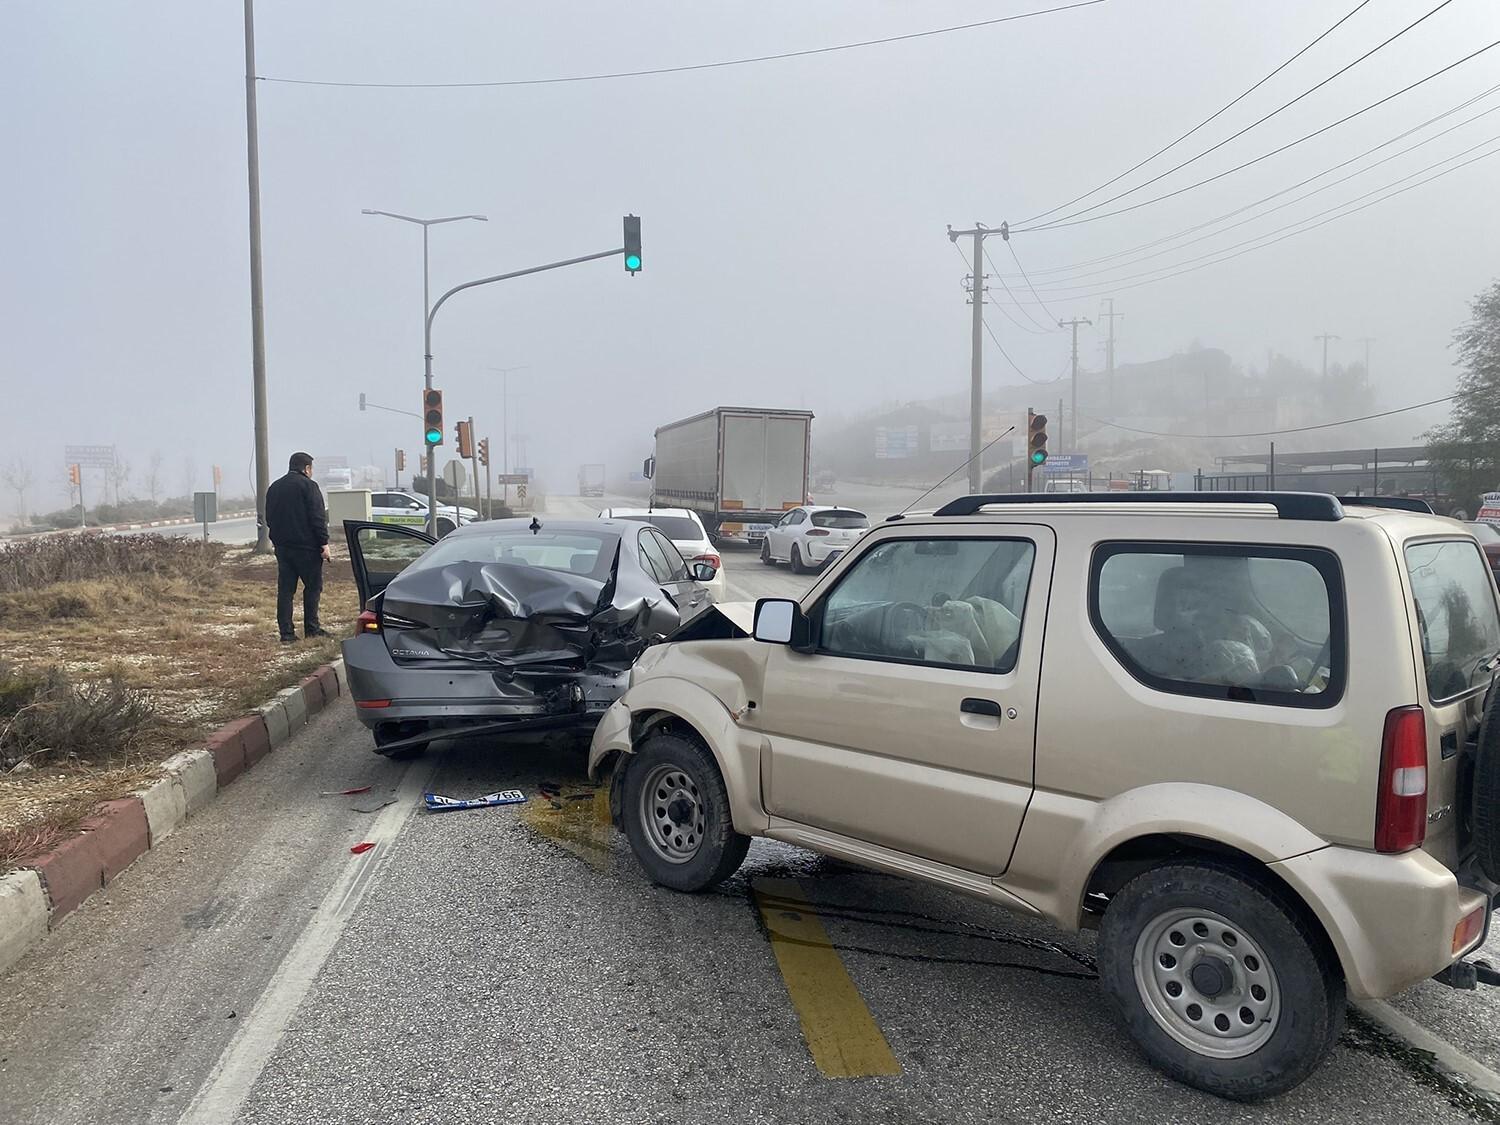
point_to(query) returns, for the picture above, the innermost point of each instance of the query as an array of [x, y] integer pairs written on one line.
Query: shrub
[[33, 563], [44, 717]]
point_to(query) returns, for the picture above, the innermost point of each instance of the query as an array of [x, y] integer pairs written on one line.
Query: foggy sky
[[793, 211]]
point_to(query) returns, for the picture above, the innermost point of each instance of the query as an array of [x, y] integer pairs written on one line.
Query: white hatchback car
[[812, 536], [683, 527]]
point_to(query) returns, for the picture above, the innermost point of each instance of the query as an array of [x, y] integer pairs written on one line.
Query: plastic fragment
[[362, 847], [436, 802], [347, 792]]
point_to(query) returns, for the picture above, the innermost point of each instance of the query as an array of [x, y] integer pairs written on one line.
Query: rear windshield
[[845, 518], [578, 552], [673, 527], [1455, 603]]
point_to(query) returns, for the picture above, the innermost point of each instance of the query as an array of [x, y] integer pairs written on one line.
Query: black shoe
[[289, 640], [311, 633]]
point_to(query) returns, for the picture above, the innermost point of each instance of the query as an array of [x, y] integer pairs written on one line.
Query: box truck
[[591, 480]]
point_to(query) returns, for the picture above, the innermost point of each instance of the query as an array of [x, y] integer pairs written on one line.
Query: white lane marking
[[1404, 1027], [228, 1085]]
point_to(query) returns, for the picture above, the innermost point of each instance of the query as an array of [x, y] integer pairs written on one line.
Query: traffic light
[[400, 459], [74, 476], [432, 416], [484, 452], [1036, 439], [465, 439], [632, 244], [361, 400]]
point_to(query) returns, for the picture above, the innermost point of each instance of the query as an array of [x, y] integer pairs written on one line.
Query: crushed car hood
[[516, 616]]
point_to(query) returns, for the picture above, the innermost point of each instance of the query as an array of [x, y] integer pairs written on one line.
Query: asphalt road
[[225, 531], [513, 965]]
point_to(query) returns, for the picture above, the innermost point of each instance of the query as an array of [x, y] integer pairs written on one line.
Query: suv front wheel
[[1220, 981], [675, 813]]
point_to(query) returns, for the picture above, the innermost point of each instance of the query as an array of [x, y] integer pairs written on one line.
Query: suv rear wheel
[[675, 813], [1220, 981]]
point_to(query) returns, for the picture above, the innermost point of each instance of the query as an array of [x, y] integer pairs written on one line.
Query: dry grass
[[199, 647]]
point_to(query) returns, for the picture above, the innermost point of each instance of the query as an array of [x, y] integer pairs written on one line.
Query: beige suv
[[1243, 737]]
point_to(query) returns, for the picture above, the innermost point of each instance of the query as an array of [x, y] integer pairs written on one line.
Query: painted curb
[[36, 897]]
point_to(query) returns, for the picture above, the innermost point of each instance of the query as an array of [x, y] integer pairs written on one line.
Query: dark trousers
[[294, 564]]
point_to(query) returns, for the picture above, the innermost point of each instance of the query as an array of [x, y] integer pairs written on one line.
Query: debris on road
[[346, 792], [436, 802], [374, 802], [362, 847]]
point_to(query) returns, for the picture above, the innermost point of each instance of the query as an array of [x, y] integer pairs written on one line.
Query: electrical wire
[[1211, 117], [1269, 233], [1099, 289], [996, 341], [1011, 247], [1275, 433], [1254, 124], [1040, 329], [605, 77], [1264, 156], [1075, 266]]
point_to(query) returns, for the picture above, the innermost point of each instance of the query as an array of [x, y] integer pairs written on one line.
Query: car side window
[[677, 568], [956, 603], [1223, 621], [652, 556]]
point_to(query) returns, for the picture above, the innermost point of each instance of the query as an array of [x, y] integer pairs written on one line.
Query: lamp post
[[504, 373], [425, 224]]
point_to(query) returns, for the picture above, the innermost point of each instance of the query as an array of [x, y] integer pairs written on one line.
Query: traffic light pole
[[427, 350], [474, 458]]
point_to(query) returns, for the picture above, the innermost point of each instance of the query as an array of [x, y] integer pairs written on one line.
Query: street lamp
[[504, 373], [425, 224]]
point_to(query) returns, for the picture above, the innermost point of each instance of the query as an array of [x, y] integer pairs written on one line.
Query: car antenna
[[535, 525], [947, 478]]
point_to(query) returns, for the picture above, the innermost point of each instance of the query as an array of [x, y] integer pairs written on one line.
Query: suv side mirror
[[780, 621], [704, 572]]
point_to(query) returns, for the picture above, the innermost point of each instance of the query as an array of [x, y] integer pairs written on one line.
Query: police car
[[396, 506]]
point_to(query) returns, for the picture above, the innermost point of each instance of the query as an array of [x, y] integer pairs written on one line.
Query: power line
[[1274, 433], [1264, 156], [1040, 329], [610, 76], [1101, 289], [1259, 121], [1011, 247], [996, 341], [1218, 112], [1264, 234], [1075, 266]]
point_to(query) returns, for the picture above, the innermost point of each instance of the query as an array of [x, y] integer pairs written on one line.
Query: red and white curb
[[165, 523], [34, 898]]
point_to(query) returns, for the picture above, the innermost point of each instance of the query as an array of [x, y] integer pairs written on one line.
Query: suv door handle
[[973, 706]]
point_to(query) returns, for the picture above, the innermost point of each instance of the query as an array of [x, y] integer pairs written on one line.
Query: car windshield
[[1484, 532], [1454, 597], [673, 527], [845, 518], [586, 553]]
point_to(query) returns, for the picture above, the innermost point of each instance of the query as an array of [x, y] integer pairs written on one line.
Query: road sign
[[455, 474], [511, 478], [1065, 463], [90, 456], [521, 492], [1489, 509], [205, 507]]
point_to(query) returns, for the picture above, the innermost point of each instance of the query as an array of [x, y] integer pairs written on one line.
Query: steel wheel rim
[[672, 813], [1178, 953]]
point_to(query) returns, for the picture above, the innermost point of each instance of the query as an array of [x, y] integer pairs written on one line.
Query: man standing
[[298, 523]]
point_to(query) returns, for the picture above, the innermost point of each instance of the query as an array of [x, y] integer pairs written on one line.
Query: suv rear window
[[1454, 597], [1223, 621], [845, 518]]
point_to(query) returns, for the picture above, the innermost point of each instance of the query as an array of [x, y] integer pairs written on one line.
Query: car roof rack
[[1317, 506], [1398, 503]]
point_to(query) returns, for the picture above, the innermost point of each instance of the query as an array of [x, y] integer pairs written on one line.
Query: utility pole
[[257, 301], [1109, 354], [474, 457], [1325, 337], [1367, 341], [1073, 324], [976, 346], [504, 373]]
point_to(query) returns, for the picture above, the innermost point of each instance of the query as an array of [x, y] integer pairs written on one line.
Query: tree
[[19, 478], [1467, 449], [119, 476], [153, 477]]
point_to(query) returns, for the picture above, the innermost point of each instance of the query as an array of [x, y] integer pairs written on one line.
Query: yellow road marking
[[842, 1035]]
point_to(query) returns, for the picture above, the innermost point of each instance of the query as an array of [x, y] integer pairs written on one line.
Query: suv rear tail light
[[367, 622], [817, 531], [1401, 807], [711, 559], [1468, 931]]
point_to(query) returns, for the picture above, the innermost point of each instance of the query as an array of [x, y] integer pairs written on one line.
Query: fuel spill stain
[[576, 818], [841, 1033]]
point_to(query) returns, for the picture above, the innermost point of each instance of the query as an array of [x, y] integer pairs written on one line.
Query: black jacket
[[295, 515]]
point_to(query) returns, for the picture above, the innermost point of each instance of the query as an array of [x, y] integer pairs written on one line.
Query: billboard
[[893, 443], [948, 437]]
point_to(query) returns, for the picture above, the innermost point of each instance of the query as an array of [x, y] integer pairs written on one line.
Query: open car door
[[380, 551]]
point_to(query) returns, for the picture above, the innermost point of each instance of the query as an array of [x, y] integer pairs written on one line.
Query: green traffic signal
[[632, 262], [632, 244], [1039, 457], [434, 436]]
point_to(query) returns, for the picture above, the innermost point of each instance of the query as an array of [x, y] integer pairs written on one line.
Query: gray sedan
[[507, 626]]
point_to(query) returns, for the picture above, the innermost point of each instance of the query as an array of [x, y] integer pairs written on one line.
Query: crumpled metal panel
[[520, 617]]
